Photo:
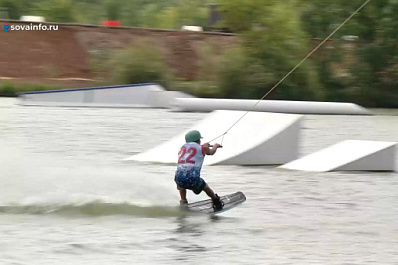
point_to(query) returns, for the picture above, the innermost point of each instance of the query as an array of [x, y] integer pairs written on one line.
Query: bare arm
[[210, 150]]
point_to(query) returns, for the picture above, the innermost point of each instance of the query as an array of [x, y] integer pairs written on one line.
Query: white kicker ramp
[[257, 139], [350, 155]]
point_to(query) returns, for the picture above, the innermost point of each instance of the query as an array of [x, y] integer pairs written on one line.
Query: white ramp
[[257, 139], [278, 106], [139, 95], [349, 155]]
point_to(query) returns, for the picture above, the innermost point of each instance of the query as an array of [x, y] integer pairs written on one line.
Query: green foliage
[[206, 89], [242, 15], [99, 59], [375, 77], [209, 61], [35, 87], [13, 8], [7, 90], [242, 77], [16, 8], [56, 10], [10, 89], [141, 62], [168, 19], [113, 10], [275, 36], [378, 77], [371, 77], [167, 14], [273, 45], [89, 11]]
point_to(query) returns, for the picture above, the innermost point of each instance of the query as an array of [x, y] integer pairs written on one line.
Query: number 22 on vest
[[191, 151]]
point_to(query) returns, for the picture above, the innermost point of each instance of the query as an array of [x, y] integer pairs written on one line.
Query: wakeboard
[[230, 201]]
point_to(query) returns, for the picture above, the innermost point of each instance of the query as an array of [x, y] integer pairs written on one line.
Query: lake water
[[68, 197]]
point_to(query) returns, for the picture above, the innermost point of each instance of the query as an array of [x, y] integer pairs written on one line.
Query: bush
[[209, 61], [56, 10], [9, 89], [140, 62], [205, 89], [374, 77], [12, 7], [241, 76], [36, 87]]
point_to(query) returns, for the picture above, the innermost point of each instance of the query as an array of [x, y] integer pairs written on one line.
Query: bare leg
[[209, 192], [183, 195], [217, 203]]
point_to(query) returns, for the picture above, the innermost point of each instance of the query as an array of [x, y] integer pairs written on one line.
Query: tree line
[[360, 63]]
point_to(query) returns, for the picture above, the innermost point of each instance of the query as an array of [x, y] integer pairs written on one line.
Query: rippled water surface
[[68, 197]]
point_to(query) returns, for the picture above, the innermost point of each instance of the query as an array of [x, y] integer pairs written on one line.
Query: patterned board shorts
[[186, 181]]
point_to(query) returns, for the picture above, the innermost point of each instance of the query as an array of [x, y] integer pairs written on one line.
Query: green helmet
[[192, 136]]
